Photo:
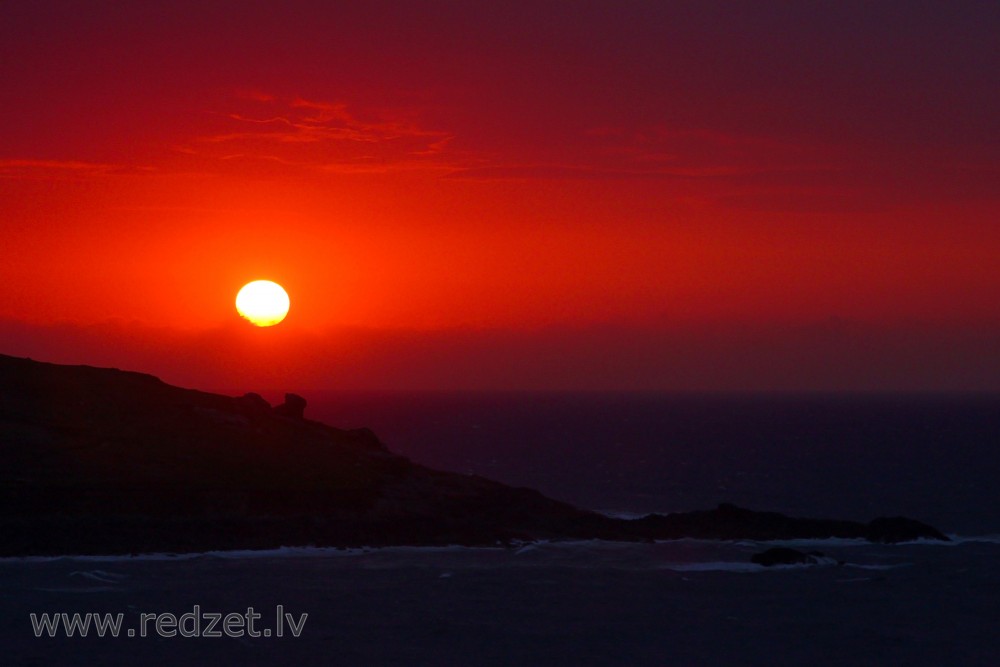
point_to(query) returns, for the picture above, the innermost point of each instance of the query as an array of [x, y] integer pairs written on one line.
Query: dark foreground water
[[681, 603], [595, 603]]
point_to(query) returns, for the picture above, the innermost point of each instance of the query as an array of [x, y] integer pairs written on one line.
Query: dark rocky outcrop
[[294, 407], [253, 404], [787, 556], [364, 437], [728, 520], [105, 461]]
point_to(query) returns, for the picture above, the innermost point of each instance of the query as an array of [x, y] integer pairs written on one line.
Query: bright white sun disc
[[263, 302]]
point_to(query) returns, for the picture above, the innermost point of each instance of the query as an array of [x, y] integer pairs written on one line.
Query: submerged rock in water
[[900, 529], [727, 522], [787, 556]]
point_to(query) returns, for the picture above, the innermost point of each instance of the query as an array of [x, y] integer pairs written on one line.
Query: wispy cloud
[[331, 137], [28, 168], [670, 150], [657, 152]]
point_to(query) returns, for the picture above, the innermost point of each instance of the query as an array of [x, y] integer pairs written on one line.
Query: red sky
[[564, 195]]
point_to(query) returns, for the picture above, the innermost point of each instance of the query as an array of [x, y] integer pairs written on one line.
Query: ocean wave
[[723, 566], [827, 542], [526, 549], [963, 539], [249, 554], [740, 566], [102, 576]]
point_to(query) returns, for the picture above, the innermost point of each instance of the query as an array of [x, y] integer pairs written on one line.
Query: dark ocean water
[[931, 457]]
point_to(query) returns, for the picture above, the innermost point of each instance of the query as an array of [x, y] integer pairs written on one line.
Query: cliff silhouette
[[96, 460]]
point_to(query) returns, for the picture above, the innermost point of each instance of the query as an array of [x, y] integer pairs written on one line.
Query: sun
[[262, 302]]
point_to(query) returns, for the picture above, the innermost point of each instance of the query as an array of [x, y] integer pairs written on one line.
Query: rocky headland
[[103, 461]]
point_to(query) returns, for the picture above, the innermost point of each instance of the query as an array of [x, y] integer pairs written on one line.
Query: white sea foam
[[827, 542], [719, 566], [838, 542], [99, 575], [525, 549], [740, 566], [966, 539], [248, 554]]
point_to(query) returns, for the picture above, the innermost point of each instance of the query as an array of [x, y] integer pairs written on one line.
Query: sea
[[932, 457]]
